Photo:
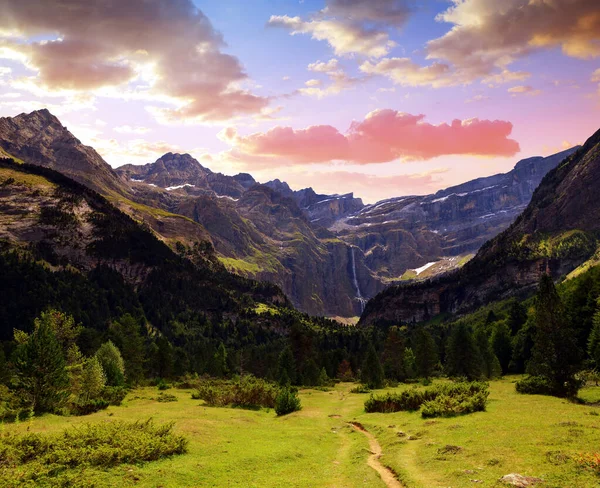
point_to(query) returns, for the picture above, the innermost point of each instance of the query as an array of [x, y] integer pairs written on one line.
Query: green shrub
[[247, 392], [40, 458], [412, 399], [361, 389], [166, 397], [450, 406], [86, 407], [534, 385], [162, 385], [114, 395], [287, 401]]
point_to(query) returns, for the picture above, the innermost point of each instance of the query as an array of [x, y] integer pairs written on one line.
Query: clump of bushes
[[361, 389], [534, 385], [438, 401], [287, 401], [247, 392], [166, 398], [38, 458], [589, 461]]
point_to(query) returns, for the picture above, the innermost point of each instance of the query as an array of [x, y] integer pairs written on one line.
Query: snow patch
[[169, 188], [424, 267]]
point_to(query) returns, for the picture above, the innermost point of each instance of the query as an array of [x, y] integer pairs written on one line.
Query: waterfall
[[359, 296]]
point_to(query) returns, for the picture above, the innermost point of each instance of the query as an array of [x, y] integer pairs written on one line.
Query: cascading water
[[361, 300]]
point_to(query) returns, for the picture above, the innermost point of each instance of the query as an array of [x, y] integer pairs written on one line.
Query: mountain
[[404, 233], [328, 253], [64, 244], [556, 233]]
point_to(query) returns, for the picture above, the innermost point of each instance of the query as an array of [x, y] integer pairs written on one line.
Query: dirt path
[[386, 474]]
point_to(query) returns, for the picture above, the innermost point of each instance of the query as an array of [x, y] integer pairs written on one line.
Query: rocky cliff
[[556, 233]]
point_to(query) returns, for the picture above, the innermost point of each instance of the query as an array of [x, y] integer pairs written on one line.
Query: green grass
[[240, 266], [531, 435], [4, 154], [24, 178]]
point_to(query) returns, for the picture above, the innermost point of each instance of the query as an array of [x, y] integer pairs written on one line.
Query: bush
[[86, 407], [449, 406], [361, 389], [162, 385], [42, 457], [589, 461], [455, 397], [114, 395], [287, 401], [247, 392], [534, 385], [166, 397]]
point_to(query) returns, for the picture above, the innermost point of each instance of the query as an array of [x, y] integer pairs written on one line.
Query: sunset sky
[[380, 97]]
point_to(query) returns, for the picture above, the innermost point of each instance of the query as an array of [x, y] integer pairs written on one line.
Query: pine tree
[[112, 364], [372, 371], [462, 355], [126, 335], [41, 370], [502, 345], [92, 379], [323, 378], [517, 316], [286, 367], [594, 341], [410, 363], [555, 355], [425, 353], [310, 373], [490, 366], [393, 355], [220, 361]]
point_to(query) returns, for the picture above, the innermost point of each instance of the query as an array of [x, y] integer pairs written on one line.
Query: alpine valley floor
[[318, 446]]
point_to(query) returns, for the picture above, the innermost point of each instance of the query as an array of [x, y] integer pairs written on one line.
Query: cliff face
[[557, 232]]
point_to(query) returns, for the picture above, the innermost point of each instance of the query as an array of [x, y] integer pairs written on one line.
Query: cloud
[[128, 129], [164, 48], [487, 34], [506, 76], [383, 136], [477, 98], [339, 79], [351, 26], [595, 78], [524, 90], [405, 72]]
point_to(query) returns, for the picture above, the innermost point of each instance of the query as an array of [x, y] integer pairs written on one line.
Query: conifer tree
[[594, 341], [286, 367], [92, 379], [462, 355], [425, 353], [410, 363], [372, 372], [490, 366], [555, 355], [41, 370], [126, 335], [393, 355], [502, 345], [112, 364]]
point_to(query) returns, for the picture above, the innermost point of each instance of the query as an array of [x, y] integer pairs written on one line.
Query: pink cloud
[[383, 136]]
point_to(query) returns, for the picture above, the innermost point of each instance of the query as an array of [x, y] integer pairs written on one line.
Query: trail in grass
[[386, 474]]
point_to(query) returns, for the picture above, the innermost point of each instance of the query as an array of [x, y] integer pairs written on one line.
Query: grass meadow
[[317, 447]]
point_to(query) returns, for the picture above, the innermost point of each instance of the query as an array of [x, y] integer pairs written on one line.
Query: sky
[[382, 98]]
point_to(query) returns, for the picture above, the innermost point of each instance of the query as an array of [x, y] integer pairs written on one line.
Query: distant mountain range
[[328, 253], [555, 234]]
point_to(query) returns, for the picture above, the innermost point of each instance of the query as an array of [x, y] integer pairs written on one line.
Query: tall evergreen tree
[[517, 316], [220, 361], [502, 345], [126, 334], [555, 355], [490, 366], [286, 367], [594, 341], [425, 352], [112, 364], [41, 370], [371, 373], [462, 355], [393, 355], [92, 379], [410, 363]]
